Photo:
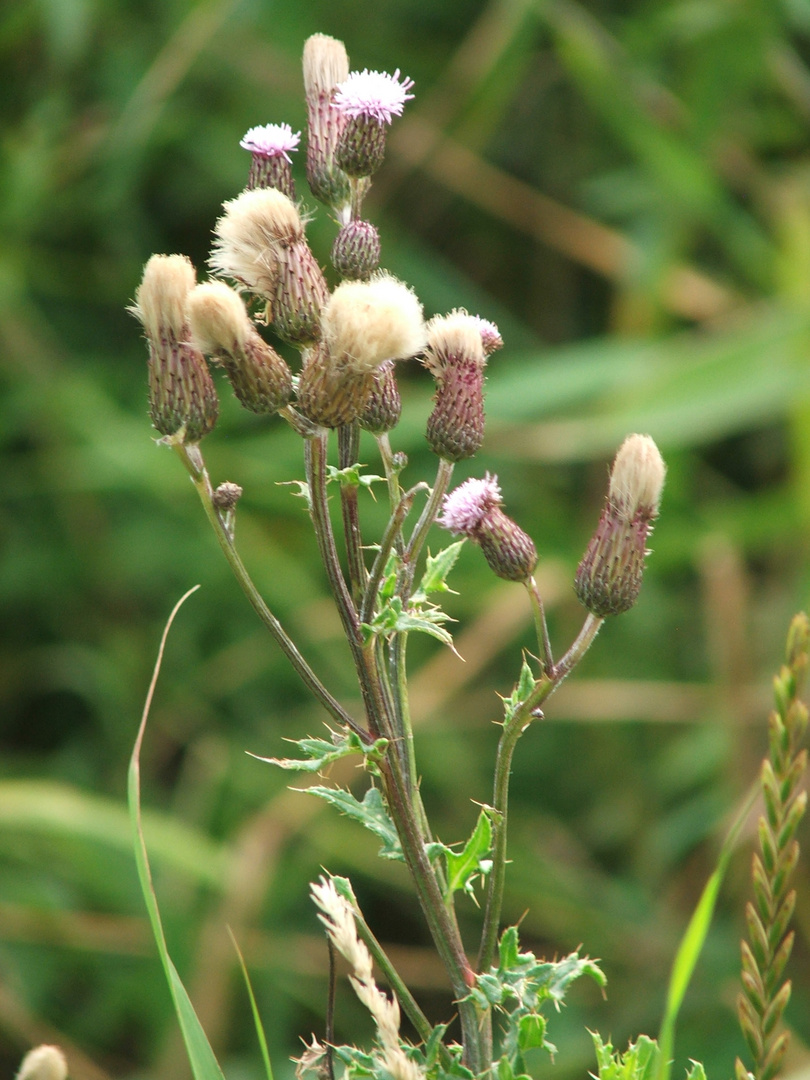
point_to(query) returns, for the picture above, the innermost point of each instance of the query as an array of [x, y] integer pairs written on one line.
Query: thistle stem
[[444, 474], [512, 731], [193, 462], [365, 665], [348, 450], [541, 626]]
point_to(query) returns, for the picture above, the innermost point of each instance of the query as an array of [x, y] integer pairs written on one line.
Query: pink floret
[[373, 93], [464, 509], [271, 140]]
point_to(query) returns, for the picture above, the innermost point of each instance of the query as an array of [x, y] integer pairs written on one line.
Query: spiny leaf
[[465, 868], [319, 753], [437, 567], [371, 812]]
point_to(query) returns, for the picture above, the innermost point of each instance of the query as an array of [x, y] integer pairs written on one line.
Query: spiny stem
[[193, 462]]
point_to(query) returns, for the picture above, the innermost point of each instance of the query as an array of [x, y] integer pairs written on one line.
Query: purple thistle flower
[[464, 509], [372, 94], [271, 140], [474, 510]]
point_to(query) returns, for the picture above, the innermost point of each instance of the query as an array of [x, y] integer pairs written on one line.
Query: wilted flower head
[[474, 510], [366, 322], [373, 93], [182, 399], [221, 328], [248, 237], [609, 577], [363, 324], [270, 147], [456, 358]]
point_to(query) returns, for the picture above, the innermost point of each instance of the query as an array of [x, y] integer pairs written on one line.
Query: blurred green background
[[624, 187]]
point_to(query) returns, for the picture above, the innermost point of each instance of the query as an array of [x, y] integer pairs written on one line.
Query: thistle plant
[[351, 327]]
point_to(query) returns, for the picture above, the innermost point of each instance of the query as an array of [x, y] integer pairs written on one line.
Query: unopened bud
[[356, 250], [363, 325], [43, 1063], [221, 328], [456, 358], [369, 100], [383, 407], [325, 66], [226, 496], [182, 399], [608, 579], [271, 165], [474, 510]]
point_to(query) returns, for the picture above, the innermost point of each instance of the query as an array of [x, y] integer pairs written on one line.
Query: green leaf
[[531, 1032], [465, 868], [638, 1062], [371, 812], [437, 568], [351, 476], [322, 752], [393, 619]]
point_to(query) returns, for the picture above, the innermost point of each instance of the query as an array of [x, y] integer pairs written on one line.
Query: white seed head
[[43, 1063], [455, 335], [325, 64], [367, 322], [637, 477], [160, 299], [249, 234], [217, 318]]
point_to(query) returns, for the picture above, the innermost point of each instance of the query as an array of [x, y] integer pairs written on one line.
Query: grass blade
[[204, 1065]]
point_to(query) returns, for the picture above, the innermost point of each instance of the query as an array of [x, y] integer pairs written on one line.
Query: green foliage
[[321, 753], [519, 987]]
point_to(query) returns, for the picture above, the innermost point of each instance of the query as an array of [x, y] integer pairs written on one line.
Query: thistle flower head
[[452, 338], [221, 327], [373, 94], [637, 478], [464, 509], [249, 234], [160, 299], [609, 576], [456, 358], [271, 140], [367, 322], [474, 510], [217, 318], [325, 64], [182, 399]]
